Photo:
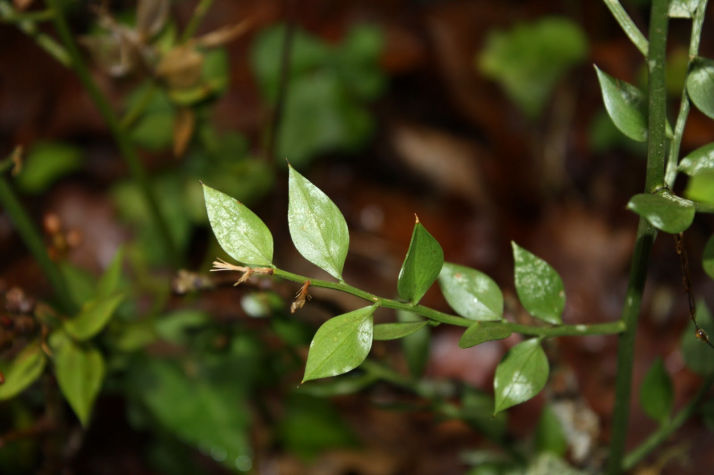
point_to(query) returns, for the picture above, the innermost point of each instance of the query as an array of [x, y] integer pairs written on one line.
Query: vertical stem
[[33, 240], [126, 148], [645, 232], [193, 24]]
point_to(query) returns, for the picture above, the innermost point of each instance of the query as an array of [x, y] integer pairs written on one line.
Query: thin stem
[[627, 25], [442, 317], [33, 240], [126, 148], [666, 429], [694, 40], [27, 25], [645, 232], [198, 14]]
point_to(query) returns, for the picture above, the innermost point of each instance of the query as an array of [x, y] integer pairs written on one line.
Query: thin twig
[[687, 285]]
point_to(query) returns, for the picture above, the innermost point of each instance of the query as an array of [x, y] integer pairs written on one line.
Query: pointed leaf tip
[[421, 265], [539, 287]]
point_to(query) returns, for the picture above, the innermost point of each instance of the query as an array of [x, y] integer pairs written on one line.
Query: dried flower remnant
[[221, 265], [301, 297]]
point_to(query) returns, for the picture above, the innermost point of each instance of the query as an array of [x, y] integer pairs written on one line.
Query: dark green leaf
[[109, 282], [23, 371], [338, 386], [421, 266], [664, 211], [481, 332], [340, 344], [80, 372], [701, 188], [521, 375], [94, 315], [538, 285], [45, 163], [708, 257], [471, 293], [625, 104], [698, 161], [238, 230], [549, 436], [317, 227], [700, 85], [656, 392], [416, 346], [477, 411], [698, 356], [395, 331]]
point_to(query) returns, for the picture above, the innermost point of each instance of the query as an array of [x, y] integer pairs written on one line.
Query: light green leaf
[[625, 104], [395, 331], [700, 85], [664, 211], [549, 435], [698, 161], [340, 344], [538, 285], [238, 230], [701, 188], [683, 8], [521, 375], [109, 282], [317, 227], [481, 332], [415, 346], [421, 266], [656, 392], [471, 293], [80, 372], [94, 315], [23, 371], [45, 163], [698, 356], [708, 257]]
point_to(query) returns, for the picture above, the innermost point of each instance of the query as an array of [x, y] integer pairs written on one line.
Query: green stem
[[645, 233], [138, 107], [33, 240], [28, 26], [628, 26], [442, 317], [198, 14], [694, 40], [123, 142], [666, 429]]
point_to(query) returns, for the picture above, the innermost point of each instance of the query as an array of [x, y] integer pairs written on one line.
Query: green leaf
[[530, 59], [625, 104], [339, 385], [549, 435], [421, 266], [698, 161], [538, 285], [656, 392], [708, 257], [683, 8], [317, 227], [477, 411], [701, 188], [94, 315], [23, 371], [698, 356], [395, 331], [238, 230], [700, 85], [340, 344], [80, 371], [481, 332], [664, 211], [109, 282], [415, 346], [521, 375], [45, 163], [471, 293]]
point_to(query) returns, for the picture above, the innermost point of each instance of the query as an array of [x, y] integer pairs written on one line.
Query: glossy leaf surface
[[698, 356], [340, 344], [241, 233], [700, 85], [708, 257], [23, 371], [472, 294], [521, 375], [395, 331], [664, 211], [701, 188], [699, 161], [538, 285], [421, 266], [481, 332], [656, 392], [625, 104], [93, 317], [317, 227]]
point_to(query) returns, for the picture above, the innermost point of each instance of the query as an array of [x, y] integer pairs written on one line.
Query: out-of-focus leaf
[[683, 8], [548, 463], [45, 163], [358, 62], [24, 369], [521, 375], [317, 227], [698, 356], [481, 332], [151, 16], [625, 104], [93, 316], [538, 285], [530, 59], [708, 257], [416, 346], [212, 79], [80, 283], [701, 188], [422, 264], [174, 326], [153, 128], [340, 344], [477, 410], [700, 85], [109, 281], [549, 435], [471, 293], [337, 386], [395, 331], [664, 211], [699, 161], [656, 392]]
